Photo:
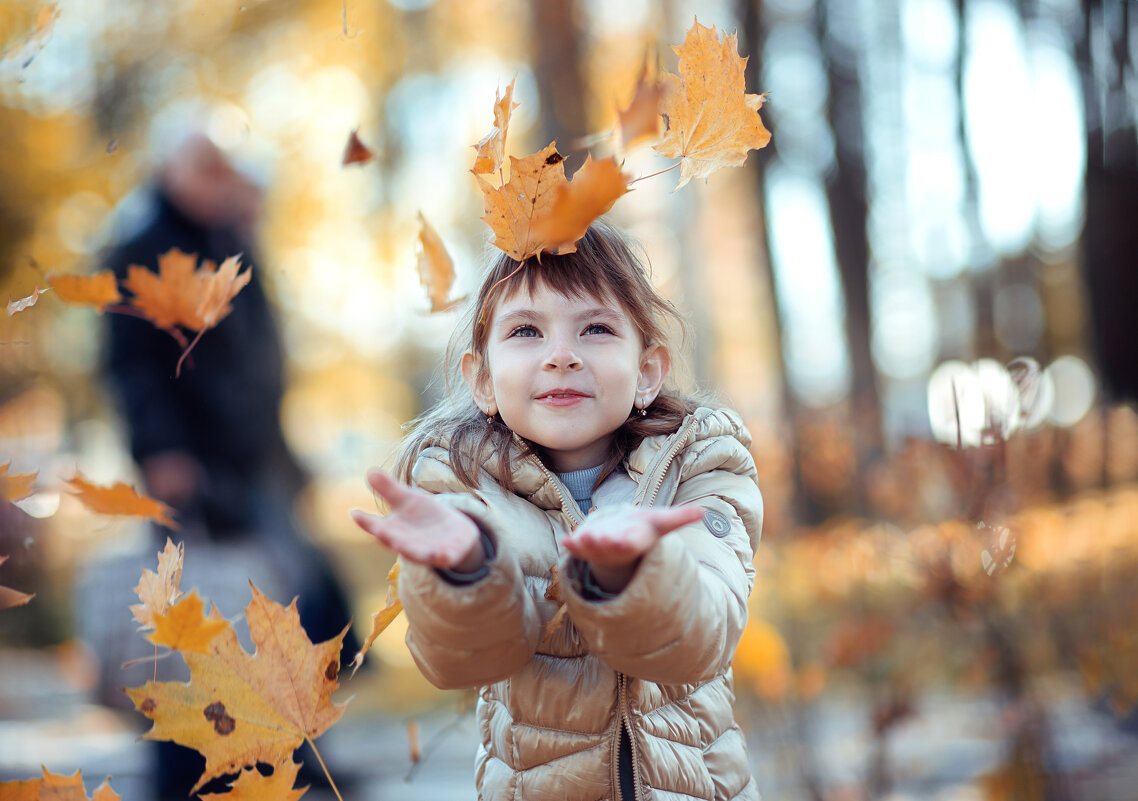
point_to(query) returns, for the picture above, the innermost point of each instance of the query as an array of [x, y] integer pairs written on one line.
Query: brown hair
[[604, 265]]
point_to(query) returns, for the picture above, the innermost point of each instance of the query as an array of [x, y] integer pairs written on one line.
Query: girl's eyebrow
[[603, 313]]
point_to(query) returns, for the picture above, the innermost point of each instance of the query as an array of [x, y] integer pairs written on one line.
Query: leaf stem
[[185, 353], [490, 294], [654, 174], [320, 759]]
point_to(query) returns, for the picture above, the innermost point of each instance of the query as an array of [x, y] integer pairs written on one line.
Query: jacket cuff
[[585, 583], [489, 550]]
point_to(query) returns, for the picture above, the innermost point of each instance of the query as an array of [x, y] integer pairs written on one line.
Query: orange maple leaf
[[17, 306], [55, 787], [710, 120], [15, 486], [436, 267], [98, 290], [185, 627], [576, 204], [491, 149], [381, 619], [10, 597], [512, 208], [252, 786], [178, 294], [120, 499], [159, 591], [641, 119], [240, 709], [356, 152]]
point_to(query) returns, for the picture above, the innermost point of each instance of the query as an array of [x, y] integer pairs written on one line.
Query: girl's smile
[[565, 372]]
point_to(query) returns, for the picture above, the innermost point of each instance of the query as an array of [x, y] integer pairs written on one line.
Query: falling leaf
[[555, 623], [528, 195], [592, 192], [641, 120], [553, 593], [98, 290], [185, 627], [710, 120], [179, 294], [17, 306], [436, 267], [239, 709], [356, 152], [491, 150], [120, 499], [10, 597], [159, 591], [381, 619], [16, 486], [252, 786], [55, 787]]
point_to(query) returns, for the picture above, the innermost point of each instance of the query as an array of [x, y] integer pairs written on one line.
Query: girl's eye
[[524, 331], [598, 328]]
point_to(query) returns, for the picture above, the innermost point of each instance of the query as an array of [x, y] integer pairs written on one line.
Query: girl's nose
[[561, 357]]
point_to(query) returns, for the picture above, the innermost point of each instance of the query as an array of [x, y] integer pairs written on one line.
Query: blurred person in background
[[209, 442]]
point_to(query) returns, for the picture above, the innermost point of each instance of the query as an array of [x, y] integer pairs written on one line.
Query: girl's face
[[565, 372]]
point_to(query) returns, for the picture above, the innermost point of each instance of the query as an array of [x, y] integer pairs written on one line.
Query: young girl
[[570, 453]]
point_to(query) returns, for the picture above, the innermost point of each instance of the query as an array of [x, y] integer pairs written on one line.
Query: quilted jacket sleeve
[[680, 617], [474, 634]]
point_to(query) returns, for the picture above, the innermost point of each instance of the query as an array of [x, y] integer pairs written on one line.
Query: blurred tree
[[1110, 237], [557, 55]]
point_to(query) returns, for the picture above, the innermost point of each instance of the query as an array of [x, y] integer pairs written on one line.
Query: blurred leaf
[[381, 619], [180, 295], [640, 121], [436, 267], [15, 486], [356, 152], [120, 499], [10, 597], [17, 306], [55, 787], [98, 290]]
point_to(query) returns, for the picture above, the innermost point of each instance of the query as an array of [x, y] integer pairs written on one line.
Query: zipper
[[568, 505], [625, 725], [650, 489]]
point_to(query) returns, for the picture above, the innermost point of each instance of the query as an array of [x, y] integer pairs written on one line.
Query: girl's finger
[[389, 489], [665, 520]]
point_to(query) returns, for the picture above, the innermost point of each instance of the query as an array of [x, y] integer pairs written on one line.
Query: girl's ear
[[654, 365], [478, 379]]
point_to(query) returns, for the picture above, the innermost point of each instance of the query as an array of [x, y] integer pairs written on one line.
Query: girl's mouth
[[561, 397]]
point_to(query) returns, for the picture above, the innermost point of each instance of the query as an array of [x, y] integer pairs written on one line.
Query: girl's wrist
[[612, 579]]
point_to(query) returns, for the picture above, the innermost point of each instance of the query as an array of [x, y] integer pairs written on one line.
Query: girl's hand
[[612, 542], [421, 528]]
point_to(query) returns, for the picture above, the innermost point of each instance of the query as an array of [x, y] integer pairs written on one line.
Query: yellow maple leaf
[[98, 290], [436, 267], [180, 295], [491, 149], [15, 486], [185, 627], [120, 499], [159, 591], [55, 787], [710, 120], [10, 597], [576, 204], [511, 209], [240, 709], [252, 786], [381, 619]]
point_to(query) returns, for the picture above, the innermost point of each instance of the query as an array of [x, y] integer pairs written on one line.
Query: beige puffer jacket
[[657, 656]]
